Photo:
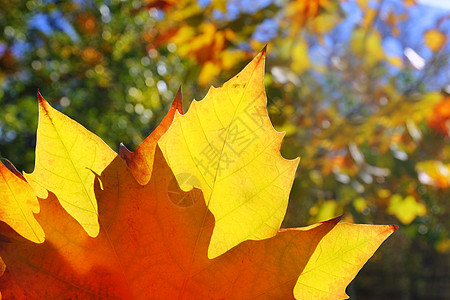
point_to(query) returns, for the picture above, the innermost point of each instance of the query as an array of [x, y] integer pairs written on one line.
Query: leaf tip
[[177, 103], [337, 219], [40, 98], [124, 153], [42, 102], [333, 221], [264, 50], [11, 167], [393, 227]]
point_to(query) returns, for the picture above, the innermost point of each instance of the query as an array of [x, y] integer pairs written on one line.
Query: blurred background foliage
[[360, 87]]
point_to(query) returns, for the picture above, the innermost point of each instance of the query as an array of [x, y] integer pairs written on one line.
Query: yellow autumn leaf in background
[[220, 4], [369, 17], [324, 23], [368, 43], [410, 2], [434, 173], [396, 61], [300, 57], [406, 209], [434, 39], [324, 211], [208, 46], [299, 12], [363, 4]]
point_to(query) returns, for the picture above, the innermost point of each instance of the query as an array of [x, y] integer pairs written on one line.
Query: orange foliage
[[440, 118], [91, 56], [339, 163], [7, 62], [87, 23]]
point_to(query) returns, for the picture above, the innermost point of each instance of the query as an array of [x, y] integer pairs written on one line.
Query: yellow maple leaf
[[19, 203], [71, 147], [232, 145]]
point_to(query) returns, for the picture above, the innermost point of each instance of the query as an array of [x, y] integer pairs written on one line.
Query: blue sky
[[445, 4]]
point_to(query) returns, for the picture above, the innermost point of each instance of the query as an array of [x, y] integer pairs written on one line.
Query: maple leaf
[[226, 146], [67, 158], [154, 239]]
